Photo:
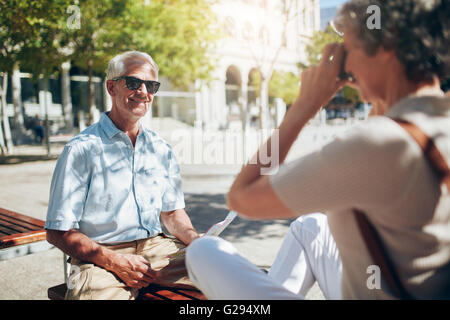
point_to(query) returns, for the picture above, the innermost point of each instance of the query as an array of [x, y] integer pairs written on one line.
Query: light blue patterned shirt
[[111, 191]]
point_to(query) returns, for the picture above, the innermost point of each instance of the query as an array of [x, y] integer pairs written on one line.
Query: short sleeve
[[359, 168], [68, 190], [173, 197]]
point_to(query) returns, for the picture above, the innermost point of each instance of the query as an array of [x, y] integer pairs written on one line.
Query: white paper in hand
[[217, 229]]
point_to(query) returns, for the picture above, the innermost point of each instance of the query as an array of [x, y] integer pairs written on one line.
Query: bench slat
[[20, 217], [22, 238], [152, 292], [166, 295], [13, 227], [156, 292], [4, 231], [25, 224], [17, 229]]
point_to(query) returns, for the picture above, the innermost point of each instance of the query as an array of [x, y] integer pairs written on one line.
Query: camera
[[342, 74]]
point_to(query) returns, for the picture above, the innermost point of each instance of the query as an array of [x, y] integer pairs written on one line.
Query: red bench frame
[[18, 229], [152, 292]]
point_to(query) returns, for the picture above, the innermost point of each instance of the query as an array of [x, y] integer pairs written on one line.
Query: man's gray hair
[[118, 65]]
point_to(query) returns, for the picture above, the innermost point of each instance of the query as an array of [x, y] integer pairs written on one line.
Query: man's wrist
[[192, 235], [106, 258]]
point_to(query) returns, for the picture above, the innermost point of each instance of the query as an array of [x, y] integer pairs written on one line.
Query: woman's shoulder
[[376, 132], [377, 142]]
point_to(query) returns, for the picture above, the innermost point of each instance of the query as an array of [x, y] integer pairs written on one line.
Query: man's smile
[[137, 100]]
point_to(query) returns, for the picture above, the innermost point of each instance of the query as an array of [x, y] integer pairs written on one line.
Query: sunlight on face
[[135, 103]]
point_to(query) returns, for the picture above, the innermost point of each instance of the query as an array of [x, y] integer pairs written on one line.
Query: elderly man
[[110, 186]]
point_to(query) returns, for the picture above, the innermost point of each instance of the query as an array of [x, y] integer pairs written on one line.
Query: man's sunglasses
[[134, 83]]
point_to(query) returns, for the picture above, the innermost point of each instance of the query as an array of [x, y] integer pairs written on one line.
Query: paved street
[[25, 187]]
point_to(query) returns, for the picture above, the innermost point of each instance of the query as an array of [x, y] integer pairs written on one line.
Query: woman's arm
[[251, 194]]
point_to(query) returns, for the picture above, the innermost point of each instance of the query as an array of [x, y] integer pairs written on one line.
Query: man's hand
[[135, 271]]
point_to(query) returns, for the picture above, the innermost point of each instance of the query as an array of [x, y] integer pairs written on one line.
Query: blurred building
[[254, 39]]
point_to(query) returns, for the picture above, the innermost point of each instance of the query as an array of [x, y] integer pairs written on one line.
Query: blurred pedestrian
[[38, 129]]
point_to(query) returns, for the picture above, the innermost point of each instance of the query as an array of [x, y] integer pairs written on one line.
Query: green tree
[[28, 36], [15, 33], [41, 35], [178, 34], [318, 42], [96, 30], [284, 85], [44, 50]]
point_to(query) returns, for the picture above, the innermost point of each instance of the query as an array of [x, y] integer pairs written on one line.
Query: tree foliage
[[284, 85], [100, 33], [39, 36], [318, 42], [179, 35], [31, 34]]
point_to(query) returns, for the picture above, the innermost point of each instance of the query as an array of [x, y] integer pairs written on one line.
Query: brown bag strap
[[430, 151], [379, 255], [372, 239]]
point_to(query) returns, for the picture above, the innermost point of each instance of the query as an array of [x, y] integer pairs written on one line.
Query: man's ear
[[110, 87]]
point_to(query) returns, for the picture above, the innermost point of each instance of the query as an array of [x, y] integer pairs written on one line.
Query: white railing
[[32, 109], [228, 147]]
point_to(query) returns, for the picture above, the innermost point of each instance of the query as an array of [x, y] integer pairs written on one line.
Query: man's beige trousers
[[88, 281]]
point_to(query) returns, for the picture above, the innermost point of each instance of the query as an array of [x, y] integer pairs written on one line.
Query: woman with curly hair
[[387, 177]]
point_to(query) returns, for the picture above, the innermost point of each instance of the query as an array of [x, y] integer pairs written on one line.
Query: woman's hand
[[320, 82]]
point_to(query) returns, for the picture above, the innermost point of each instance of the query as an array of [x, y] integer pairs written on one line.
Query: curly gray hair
[[418, 30]]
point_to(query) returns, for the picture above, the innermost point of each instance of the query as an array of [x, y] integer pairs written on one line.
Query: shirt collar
[[433, 105], [108, 126]]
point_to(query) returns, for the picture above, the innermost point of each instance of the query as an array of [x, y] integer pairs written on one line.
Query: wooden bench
[[152, 292], [20, 235]]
